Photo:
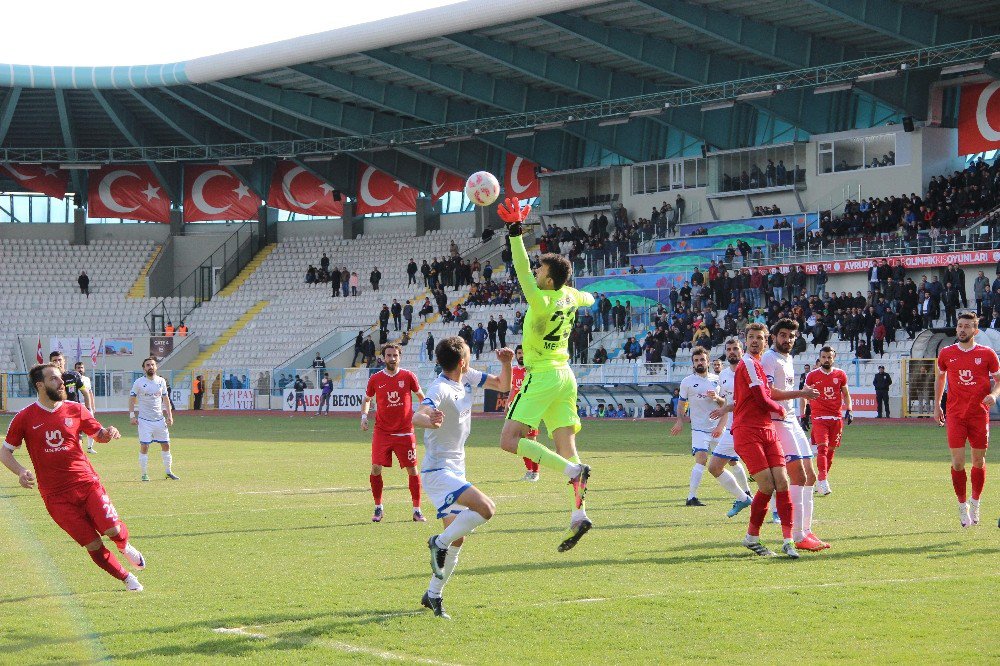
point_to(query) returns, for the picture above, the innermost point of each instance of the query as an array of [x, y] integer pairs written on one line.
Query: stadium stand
[[41, 295]]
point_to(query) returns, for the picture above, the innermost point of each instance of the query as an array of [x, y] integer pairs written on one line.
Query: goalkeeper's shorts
[[547, 395]]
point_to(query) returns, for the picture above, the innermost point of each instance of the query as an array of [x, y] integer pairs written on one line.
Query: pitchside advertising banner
[[237, 399], [341, 400]]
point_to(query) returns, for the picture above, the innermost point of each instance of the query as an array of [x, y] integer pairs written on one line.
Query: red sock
[[783, 499], [105, 559], [415, 490], [529, 464], [376, 481], [822, 461], [758, 509], [830, 450], [958, 478], [534, 467], [978, 481], [122, 539]]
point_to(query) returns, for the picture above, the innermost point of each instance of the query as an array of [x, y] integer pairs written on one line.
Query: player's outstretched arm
[[501, 383], [23, 474], [511, 212]]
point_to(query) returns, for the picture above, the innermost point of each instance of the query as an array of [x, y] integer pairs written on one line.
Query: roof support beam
[[133, 132], [631, 141], [69, 140], [7, 111], [904, 23]]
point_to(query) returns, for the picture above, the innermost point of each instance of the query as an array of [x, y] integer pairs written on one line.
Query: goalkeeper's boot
[[574, 534]]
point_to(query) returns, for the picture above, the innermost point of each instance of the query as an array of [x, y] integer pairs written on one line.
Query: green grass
[[268, 530]]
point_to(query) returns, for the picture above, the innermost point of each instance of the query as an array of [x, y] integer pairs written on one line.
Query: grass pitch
[[264, 553]]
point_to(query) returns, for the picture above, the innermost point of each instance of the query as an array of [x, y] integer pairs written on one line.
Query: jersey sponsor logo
[[965, 376], [829, 392], [54, 438], [393, 397]]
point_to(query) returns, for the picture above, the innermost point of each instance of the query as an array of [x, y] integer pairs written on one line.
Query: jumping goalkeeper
[[549, 390]]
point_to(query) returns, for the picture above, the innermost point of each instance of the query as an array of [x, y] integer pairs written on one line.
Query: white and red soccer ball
[[482, 188]]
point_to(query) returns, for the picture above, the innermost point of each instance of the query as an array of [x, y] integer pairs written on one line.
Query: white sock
[[436, 586], [696, 473], [973, 502], [577, 515], [167, 459], [573, 470], [808, 502], [463, 524], [728, 481], [796, 493], [740, 473], [143, 461]]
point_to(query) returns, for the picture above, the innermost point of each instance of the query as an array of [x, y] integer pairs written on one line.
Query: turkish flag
[[380, 193], [130, 191], [39, 178], [444, 181], [979, 118], [215, 193], [38, 351], [519, 178], [295, 189]]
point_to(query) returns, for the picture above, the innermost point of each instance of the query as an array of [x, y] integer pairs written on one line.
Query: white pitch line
[[773, 588], [228, 511], [289, 491], [335, 645]]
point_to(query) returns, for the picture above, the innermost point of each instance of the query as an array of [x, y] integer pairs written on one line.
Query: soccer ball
[[482, 188]]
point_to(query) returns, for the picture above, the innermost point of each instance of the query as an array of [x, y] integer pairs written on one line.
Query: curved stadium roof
[[483, 59]]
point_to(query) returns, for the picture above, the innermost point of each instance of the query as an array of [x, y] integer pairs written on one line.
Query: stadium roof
[[484, 59]]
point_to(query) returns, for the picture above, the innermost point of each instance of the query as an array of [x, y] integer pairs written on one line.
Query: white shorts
[[726, 448], [443, 486], [793, 440], [701, 441], [153, 431]]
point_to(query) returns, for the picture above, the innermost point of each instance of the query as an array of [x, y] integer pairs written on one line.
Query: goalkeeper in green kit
[[548, 392]]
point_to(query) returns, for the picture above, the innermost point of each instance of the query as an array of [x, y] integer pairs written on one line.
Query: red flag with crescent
[[216, 193], [443, 181], [379, 192], [979, 118], [520, 180], [295, 189], [128, 191], [38, 351], [39, 178]]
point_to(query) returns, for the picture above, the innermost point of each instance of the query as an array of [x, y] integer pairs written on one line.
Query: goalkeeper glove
[[849, 417], [513, 214]]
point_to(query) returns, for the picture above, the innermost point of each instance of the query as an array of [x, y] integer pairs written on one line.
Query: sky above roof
[[140, 33]]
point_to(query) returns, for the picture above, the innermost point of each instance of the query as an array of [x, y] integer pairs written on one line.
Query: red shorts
[[827, 432], [404, 446], [758, 448], [972, 428], [84, 512]]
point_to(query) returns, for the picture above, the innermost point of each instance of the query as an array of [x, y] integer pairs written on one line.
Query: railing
[[206, 280]]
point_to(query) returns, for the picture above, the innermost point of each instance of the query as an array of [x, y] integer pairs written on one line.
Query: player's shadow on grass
[[19, 641]]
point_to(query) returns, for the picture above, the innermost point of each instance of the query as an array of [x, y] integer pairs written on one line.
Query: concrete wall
[[306, 228], [458, 220], [157, 233]]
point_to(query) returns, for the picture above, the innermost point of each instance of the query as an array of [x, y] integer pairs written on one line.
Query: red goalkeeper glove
[[511, 212]]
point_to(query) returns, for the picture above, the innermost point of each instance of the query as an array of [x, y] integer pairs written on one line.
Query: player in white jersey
[[445, 413], [724, 452], [154, 416], [780, 370], [703, 395], [88, 400]]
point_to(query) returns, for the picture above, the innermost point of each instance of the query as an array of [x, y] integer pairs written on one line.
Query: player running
[[516, 379], [549, 390], [757, 445], [391, 389], [968, 369], [154, 417], [446, 416], [70, 488], [703, 394], [827, 417], [88, 399], [724, 452], [780, 371]]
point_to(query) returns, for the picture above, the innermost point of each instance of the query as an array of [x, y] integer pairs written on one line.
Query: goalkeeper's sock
[[579, 507], [529, 448]]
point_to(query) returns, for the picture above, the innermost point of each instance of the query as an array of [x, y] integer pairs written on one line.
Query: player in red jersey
[[70, 488], [827, 418], [968, 369], [756, 443], [517, 378], [391, 388]]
